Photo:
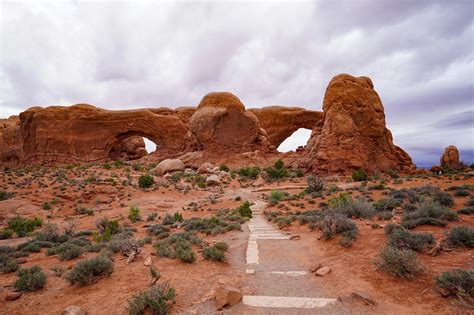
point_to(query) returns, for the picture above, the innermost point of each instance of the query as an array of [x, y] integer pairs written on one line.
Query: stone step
[[285, 301]]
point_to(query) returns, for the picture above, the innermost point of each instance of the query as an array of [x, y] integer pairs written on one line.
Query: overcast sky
[[129, 54]]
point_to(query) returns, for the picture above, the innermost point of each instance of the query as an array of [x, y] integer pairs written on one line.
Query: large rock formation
[[353, 134], [349, 134], [222, 129], [450, 157], [280, 122], [84, 133]]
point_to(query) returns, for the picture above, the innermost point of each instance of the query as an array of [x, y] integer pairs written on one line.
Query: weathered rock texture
[[450, 157], [349, 134], [280, 122], [353, 134], [84, 133]]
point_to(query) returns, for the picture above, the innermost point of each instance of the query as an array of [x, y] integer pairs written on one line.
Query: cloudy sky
[[129, 54]]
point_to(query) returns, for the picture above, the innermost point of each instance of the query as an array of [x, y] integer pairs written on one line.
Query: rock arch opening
[[131, 146], [297, 139]]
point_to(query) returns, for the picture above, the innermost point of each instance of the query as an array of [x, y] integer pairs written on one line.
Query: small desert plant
[[244, 210], [315, 184], [400, 238], [249, 172], [457, 282], [431, 213], [359, 175], [224, 168], [215, 252], [88, 271], [443, 198], [4, 195], [23, 227], [6, 234], [399, 262], [134, 214], [467, 210], [145, 181], [279, 164], [276, 196], [333, 223], [8, 264], [157, 299], [461, 236], [30, 279], [177, 246]]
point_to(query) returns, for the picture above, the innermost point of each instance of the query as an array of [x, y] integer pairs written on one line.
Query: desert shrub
[[224, 168], [400, 238], [23, 227], [50, 233], [145, 181], [107, 166], [84, 210], [5, 234], [467, 210], [123, 243], [358, 208], [315, 184], [283, 222], [134, 214], [276, 173], [137, 167], [104, 224], [215, 252], [168, 220], [157, 229], [158, 300], [151, 216], [178, 217], [279, 164], [30, 279], [333, 223], [377, 187], [461, 236], [457, 282], [386, 204], [249, 172], [4, 195], [177, 246], [88, 271], [398, 262], [31, 247], [244, 210], [430, 213], [66, 251], [8, 264], [276, 196], [443, 198], [462, 193], [359, 175], [470, 202]]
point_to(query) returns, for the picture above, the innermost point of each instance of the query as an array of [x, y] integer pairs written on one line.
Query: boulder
[[206, 167], [169, 165], [213, 180], [353, 134], [12, 296], [227, 296], [450, 157], [73, 310], [323, 271], [131, 148]]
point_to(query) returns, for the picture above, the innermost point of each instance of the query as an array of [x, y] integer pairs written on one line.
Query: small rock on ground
[[13, 296], [73, 310], [323, 271], [227, 296], [364, 297]]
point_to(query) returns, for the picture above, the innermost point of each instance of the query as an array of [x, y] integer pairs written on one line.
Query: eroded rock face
[[131, 148], [84, 133], [280, 122], [222, 128], [450, 157], [353, 134]]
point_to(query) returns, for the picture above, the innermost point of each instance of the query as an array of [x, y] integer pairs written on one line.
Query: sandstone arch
[[280, 122], [84, 133]]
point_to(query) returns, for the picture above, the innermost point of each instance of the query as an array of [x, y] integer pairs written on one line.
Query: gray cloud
[[128, 54]]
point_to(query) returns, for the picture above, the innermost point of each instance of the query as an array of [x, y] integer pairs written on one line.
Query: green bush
[[276, 196], [6, 234], [30, 279], [400, 238], [216, 252], [279, 164], [145, 181], [107, 166], [88, 271], [457, 282], [158, 300], [276, 173], [461, 236], [431, 213], [244, 210], [177, 246], [8, 264], [4, 195], [467, 210], [249, 172], [69, 251], [224, 168], [399, 262], [178, 217], [23, 227], [462, 193], [359, 175], [134, 214]]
